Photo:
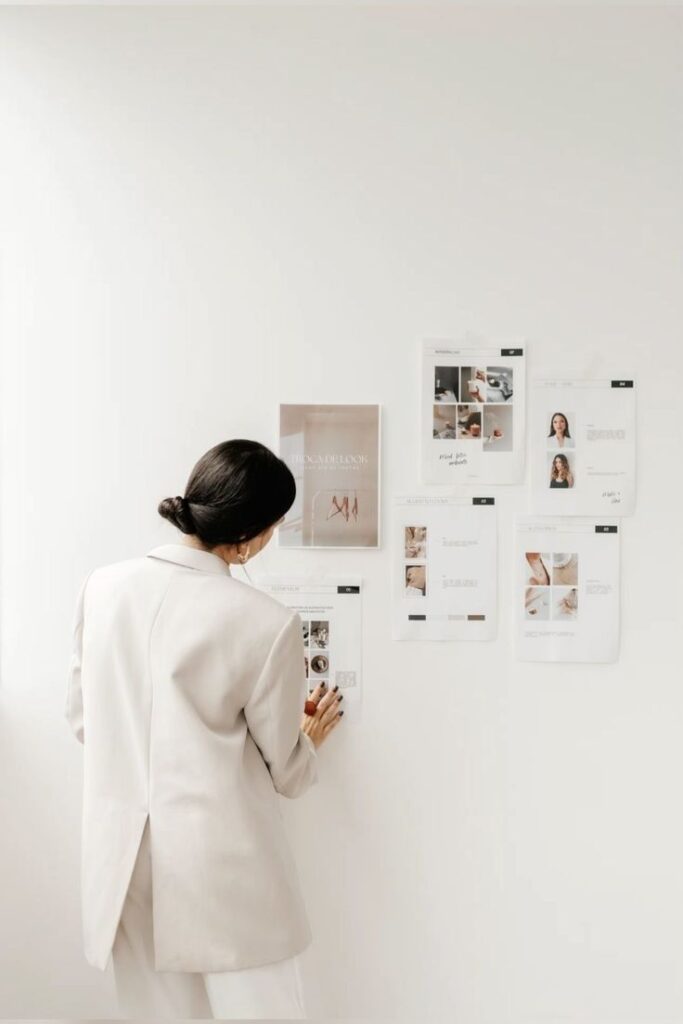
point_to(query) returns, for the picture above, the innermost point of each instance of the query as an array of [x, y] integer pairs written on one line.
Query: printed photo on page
[[331, 623], [333, 452], [444, 556], [567, 590], [472, 414], [583, 446]]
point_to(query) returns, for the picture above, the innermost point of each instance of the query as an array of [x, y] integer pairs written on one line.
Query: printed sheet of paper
[[567, 590], [334, 453], [331, 613], [583, 447], [472, 414], [444, 554]]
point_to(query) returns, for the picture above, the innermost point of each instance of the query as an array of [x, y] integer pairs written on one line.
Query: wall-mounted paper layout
[[583, 450], [334, 453], [567, 590], [330, 609], [444, 555], [472, 414]]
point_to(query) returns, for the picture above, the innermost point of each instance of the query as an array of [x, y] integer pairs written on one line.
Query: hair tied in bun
[[177, 511]]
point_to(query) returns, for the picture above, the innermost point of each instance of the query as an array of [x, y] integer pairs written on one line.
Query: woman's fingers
[[331, 711], [327, 729], [316, 695]]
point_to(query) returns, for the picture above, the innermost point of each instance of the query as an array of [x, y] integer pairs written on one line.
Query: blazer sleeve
[[274, 711], [74, 695]]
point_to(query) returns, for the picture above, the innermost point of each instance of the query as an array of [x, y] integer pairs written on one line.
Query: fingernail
[[334, 690], [341, 713], [340, 697]]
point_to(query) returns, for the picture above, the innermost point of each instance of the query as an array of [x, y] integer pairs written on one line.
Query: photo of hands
[[551, 590], [473, 384], [499, 384], [497, 428], [416, 542]]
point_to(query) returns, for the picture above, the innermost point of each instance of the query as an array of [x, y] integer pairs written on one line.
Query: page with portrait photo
[[566, 595], [444, 559], [330, 609], [583, 446], [472, 414], [333, 452]]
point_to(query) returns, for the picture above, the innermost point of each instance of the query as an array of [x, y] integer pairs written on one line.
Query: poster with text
[[583, 447], [567, 590], [472, 414], [334, 453], [331, 622], [444, 555]]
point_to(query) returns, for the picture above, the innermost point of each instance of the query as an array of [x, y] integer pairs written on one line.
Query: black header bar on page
[[483, 501], [606, 529], [512, 351], [622, 383]]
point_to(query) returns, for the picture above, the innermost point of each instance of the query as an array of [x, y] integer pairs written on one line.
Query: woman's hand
[[327, 716]]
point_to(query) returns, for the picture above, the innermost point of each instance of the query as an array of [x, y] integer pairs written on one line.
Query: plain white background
[[207, 211]]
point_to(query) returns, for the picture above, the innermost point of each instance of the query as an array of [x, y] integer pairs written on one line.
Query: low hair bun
[[236, 491], [177, 511]]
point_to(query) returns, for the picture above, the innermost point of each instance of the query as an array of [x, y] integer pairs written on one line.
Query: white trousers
[[273, 991]]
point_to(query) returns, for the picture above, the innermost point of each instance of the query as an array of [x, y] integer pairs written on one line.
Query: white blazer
[[187, 688]]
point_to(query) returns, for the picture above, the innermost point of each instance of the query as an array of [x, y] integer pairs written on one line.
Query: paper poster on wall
[[444, 555], [330, 609], [334, 453], [472, 414], [583, 446], [567, 590]]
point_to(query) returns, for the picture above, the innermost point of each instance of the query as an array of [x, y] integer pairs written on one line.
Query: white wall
[[205, 211]]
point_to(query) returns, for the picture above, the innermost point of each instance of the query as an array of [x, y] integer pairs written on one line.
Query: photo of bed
[[446, 383], [499, 384]]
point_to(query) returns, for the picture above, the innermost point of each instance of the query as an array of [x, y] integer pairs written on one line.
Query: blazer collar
[[191, 558]]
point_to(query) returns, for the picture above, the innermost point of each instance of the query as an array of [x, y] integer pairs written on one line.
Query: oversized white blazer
[[187, 689]]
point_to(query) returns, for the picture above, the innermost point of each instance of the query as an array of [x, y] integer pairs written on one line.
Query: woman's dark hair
[[564, 462], [236, 491], [566, 424]]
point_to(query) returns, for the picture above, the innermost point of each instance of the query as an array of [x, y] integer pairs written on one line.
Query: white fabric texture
[[187, 689], [271, 992]]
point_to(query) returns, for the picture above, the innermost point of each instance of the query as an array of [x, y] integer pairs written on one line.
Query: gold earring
[[243, 556]]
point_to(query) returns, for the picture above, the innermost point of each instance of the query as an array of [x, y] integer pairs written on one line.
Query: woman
[[559, 436], [560, 473], [187, 689]]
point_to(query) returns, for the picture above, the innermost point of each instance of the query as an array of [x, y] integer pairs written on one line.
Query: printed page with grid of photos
[[567, 590], [583, 446], [330, 609], [445, 558], [472, 414]]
